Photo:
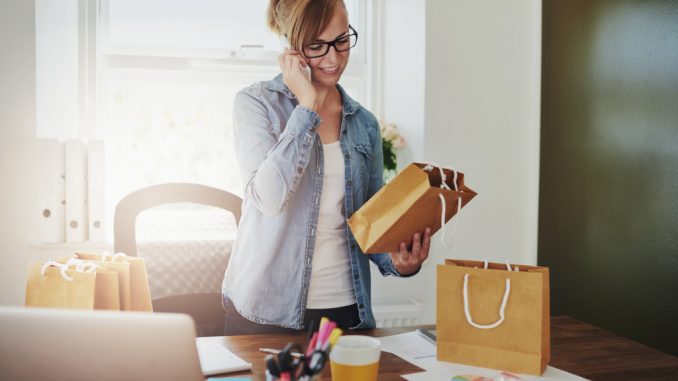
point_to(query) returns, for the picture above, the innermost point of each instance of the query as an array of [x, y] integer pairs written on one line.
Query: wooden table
[[576, 347]]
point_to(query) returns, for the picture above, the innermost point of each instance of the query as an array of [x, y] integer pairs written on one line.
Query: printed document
[[215, 358], [415, 349]]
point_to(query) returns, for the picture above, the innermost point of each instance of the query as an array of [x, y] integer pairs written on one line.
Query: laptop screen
[[55, 344]]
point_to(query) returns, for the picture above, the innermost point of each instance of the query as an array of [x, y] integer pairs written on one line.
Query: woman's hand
[[408, 262], [296, 78]]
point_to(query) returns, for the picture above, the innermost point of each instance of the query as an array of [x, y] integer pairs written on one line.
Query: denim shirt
[[281, 162]]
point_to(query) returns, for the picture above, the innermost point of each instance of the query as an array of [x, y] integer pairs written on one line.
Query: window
[[156, 80]]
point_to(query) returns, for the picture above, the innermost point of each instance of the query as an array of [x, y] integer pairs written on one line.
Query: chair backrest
[[204, 306], [127, 210]]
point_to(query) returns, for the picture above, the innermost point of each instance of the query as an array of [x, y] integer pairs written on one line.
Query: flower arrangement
[[391, 140]]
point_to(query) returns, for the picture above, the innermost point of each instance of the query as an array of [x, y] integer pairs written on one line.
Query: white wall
[[17, 118], [18, 150], [480, 71], [403, 32]]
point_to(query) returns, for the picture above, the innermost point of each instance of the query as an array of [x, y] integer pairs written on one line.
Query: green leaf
[[390, 162]]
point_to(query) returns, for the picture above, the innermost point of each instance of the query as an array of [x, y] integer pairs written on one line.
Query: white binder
[[51, 188], [76, 192], [96, 186]]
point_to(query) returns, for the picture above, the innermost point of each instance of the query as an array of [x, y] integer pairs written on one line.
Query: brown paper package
[[407, 204]]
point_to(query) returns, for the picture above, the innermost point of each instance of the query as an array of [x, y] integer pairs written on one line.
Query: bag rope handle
[[105, 255], [443, 185], [80, 266], [119, 255], [56, 264], [502, 308], [443, 239]]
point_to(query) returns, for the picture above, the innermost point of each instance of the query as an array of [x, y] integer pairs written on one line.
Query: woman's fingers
[[426, 245], [420, 247], [296, 78], [399, 257], [416, 246], [407, 262], [403, 252], [286, 60], [291, 64]]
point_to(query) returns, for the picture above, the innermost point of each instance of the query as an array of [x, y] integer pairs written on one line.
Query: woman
[[310, 156]]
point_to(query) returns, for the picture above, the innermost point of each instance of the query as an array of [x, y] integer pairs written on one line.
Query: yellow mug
[[355, 358]]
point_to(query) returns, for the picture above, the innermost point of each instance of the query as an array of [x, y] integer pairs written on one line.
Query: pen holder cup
[[315, 377], [289, 365]]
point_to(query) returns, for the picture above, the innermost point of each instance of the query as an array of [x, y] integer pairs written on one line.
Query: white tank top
[[331, 284]]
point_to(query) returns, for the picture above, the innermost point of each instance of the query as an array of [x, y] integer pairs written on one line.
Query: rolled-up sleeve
[[386, 267], [270, 164]]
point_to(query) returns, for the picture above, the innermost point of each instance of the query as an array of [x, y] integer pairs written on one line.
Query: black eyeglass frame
[[332, 44]]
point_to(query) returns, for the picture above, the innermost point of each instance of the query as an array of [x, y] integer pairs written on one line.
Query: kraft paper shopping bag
[[414, 200], [493, 317], [54, 284], [106, 290], [135, 292], [122, 269]]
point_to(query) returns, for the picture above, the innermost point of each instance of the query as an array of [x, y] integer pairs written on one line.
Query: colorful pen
[[277, 351]]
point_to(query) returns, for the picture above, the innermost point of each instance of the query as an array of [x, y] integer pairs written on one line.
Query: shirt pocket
[[362, 157], [365, 151]]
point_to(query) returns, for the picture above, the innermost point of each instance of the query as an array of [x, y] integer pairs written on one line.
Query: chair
[[204, 305]]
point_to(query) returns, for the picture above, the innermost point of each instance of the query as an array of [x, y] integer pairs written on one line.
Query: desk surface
[[576, 347]]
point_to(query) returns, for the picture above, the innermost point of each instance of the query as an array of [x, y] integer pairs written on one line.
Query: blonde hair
[[301, 21]]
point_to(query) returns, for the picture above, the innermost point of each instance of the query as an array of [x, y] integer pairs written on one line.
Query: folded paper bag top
[[408, 204]]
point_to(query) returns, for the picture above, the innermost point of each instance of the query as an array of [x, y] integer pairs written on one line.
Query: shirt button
[[348, 156], [349, 182], [361, 306], [356, 276]]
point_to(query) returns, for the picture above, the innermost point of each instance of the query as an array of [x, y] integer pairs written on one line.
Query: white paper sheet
[[415, 349], [215, 358]]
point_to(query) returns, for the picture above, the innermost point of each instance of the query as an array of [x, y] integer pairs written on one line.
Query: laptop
[[57, 344]]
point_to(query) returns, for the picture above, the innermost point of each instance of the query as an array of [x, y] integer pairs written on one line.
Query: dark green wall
[[608, 211]]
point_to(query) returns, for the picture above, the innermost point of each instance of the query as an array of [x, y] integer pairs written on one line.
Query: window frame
[[117, 62], [99, 66], [247, 52]]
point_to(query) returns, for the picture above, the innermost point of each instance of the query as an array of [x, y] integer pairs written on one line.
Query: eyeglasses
[[341, 44]]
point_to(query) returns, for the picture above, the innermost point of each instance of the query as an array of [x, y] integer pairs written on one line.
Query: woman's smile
[[330, 69]]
